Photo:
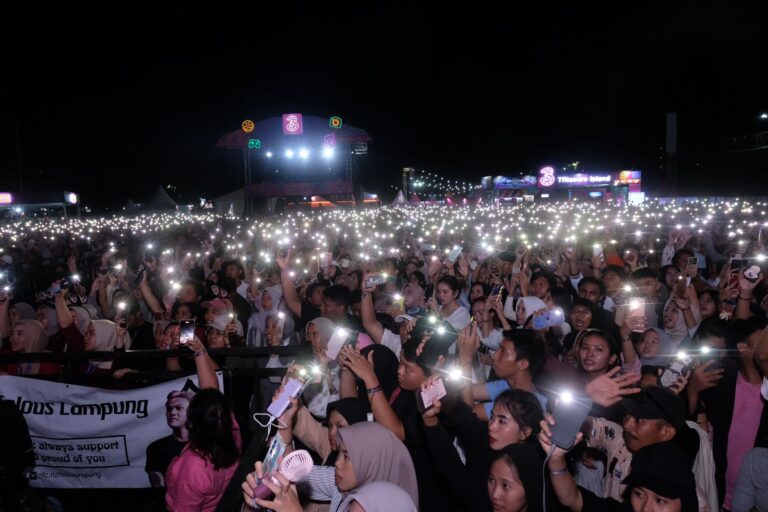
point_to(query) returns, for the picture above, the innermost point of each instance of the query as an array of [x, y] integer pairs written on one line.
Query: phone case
[[569, 418], [293, 389]]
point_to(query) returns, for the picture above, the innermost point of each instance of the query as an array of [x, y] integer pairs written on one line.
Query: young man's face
[[410, 376], [639, 433], [539, 287], [233, 273], [648, 287], [331, 310], [590, 291]]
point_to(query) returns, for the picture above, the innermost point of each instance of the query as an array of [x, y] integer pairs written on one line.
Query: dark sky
[[112, 102]]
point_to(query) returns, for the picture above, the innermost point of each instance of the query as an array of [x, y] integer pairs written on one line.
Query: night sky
[[112, 102]]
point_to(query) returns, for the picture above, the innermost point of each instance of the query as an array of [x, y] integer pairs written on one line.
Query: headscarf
[[24, 310], [53, 320], [105, 340], [378, 455], [532, 304], [354, 410], [258, 320], [665, 349], [34, 334], [679, 332], [83, 318], [379, 497], [92, 310], [528, 462], [324, 326]]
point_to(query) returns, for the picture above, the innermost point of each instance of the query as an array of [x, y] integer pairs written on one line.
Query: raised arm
[[368, 315], [206, 368], [290, 296]]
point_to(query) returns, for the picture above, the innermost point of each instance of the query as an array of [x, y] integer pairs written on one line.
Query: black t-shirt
[[592, 503], [160, 453], [143, 338], [15, 451], [308, 313]]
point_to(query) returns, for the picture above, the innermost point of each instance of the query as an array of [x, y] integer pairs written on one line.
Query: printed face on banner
[[176, 412], [292, 124]]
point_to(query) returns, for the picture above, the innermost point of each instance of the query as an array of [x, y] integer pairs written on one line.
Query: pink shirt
[[193, 485], [747, 409]]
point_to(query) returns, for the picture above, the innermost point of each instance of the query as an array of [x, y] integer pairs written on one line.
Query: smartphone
[[597, 251], [374, 280], [570, 412], [495, 291], [710, 354], [636, 309], [325, 259], [693, 261], [339, 339], [276, 450], [737, 263], [186, 331], [425, 399], [280, 326], [293, 389], [454, 254], [551, 318], [678, 366], [752, 274]]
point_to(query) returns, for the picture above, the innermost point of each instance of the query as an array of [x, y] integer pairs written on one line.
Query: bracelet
[[372, 391], [744, 298], [558, 472], [200, 353]]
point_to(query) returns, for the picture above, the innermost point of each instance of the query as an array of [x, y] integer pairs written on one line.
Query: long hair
[[209, 421]]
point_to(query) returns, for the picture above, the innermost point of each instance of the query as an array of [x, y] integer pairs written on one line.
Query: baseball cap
[[664, 469], [403, 318], [656, 403], [220, 304]]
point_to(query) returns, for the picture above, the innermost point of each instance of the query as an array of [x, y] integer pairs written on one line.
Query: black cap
[[664, 469], [656, 403], [508, 256]]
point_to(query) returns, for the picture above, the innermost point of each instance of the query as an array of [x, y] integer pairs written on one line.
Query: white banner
[[87, 437]]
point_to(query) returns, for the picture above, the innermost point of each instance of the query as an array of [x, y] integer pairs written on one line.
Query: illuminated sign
[[583, 180], [254, 144], [71, 198], [628, 178], [6, 198], [335, 122], [248, 126], [546, 177], [515, 183], [292, 124], [329, 140]]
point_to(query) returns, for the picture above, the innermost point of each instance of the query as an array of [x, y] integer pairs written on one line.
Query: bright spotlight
[[269, 154], [327, 152], [303, 153], [288, 153]]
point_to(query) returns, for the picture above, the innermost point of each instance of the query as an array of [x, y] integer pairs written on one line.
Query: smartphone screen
[[187, 331], [495, 291]]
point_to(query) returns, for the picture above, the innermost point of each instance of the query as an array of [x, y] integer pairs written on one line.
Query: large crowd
[[562, 356]]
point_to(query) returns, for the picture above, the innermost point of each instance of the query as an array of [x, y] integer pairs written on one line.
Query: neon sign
[[248, 126], [335, 122], [292, 124], [584, 179], [546, 177]]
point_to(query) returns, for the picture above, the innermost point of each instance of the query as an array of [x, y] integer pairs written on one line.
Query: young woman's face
[[476, 292], [505, 489], [503, 430], [345, 473], [444, 294], [645, 500], [650, 345], [183, 313], [13, 316], [162, 339], [707, 305], [319, 346], [89, 342], [595, 355], [18, 340], [581, 317], [671, 315], [266, 301], [335, 422], [215, 338], [612, 282], [478, 312], [520, 313]]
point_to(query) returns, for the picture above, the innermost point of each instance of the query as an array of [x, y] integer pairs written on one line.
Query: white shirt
[[392, 342]]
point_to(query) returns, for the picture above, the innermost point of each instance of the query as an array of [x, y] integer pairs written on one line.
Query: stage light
[[288, 153], [303, 153], [327, 152], [269, 154]]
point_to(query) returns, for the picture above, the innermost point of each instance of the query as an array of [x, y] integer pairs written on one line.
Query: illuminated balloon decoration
[[248, 126], [254, 144], [292, 124], [546, 177], [335, 122]]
